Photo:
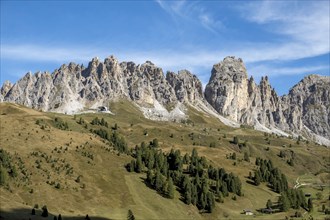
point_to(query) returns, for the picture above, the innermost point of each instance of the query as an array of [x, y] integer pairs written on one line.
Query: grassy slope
[[107, 190]]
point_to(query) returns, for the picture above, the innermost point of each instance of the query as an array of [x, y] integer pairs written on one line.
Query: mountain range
[[230, 95]]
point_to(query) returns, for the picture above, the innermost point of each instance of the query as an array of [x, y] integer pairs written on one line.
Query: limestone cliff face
[[308, 105], [187, 87], [72, 88], [304, 109], [227, 90], [5, 89]]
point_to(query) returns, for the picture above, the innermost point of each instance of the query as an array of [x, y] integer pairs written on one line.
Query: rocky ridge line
[[230, 95]]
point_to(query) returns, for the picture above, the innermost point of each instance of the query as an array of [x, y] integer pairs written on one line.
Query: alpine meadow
[[206, 110]]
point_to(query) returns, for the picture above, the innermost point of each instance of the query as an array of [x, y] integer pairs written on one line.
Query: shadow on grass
[[250, 182], [25, 214], [144, 180]]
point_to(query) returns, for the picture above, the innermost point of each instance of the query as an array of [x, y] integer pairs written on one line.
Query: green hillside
[[77, 165]]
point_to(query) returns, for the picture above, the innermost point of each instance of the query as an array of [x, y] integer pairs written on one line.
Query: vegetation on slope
[[77, 167]]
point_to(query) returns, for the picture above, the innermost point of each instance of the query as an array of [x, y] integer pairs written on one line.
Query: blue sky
[[285, 40]]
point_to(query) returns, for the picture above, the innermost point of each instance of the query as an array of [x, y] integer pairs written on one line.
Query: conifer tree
[[235, 140], [170, 188], [194, 195], [158, 181], [246, 157], [257, 178], [224, 189], [155, 143], [202, 201], [139, 164], [130, 215], [3, 175], [44, 211], [187, 193], [149, 177], [269, 204], [310, 205], [284, 203], [210, 202]]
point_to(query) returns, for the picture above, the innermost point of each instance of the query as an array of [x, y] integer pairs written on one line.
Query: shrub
[[44, 211]]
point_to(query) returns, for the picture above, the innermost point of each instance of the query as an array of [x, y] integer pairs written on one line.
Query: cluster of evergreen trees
[[7, 167], [199, 183], [60, 124], [268, 173], [117, 141], [290, 198], [97, 121]]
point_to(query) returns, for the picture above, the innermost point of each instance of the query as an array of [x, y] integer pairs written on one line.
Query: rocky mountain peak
[[227, 90], [232, 94], [6, 87], [72, 88], [229, 69], [187, 86]]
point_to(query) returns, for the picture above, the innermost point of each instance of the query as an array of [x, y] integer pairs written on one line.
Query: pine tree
[[246, 157], [194, 195], [158, 181], [187, 193], [310, 205], [202, 201], [149, 177], [3, 175], [194, 157], [44, 211], [269, 204], [186, 159], [131, 166], [235, 140], [210, 202], [139, 164], [155, 143], [257, 178], [130, 215], [170, 188], [13, 171], [224, 189], [284, 203]]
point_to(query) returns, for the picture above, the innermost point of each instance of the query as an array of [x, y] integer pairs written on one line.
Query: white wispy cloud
[[304, 26], [271, 70], [303, 30], [192, 11], [168, 60], [48, 53]]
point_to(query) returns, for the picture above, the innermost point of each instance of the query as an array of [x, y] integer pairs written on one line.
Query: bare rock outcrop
[[305, 110], [229, 93]]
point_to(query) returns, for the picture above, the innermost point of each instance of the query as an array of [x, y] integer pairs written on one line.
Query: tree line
[[113, 137]]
